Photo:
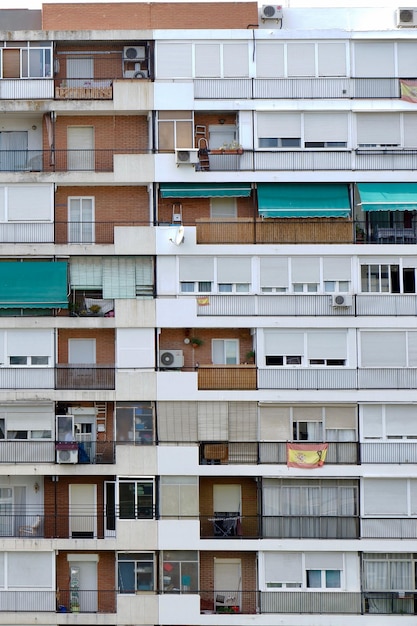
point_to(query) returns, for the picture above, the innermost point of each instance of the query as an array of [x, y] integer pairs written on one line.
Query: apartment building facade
[[208, 364]]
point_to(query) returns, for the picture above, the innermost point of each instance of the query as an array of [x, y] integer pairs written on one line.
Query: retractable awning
[[303, 200], [388, 196], [215, 190], [30, 285]]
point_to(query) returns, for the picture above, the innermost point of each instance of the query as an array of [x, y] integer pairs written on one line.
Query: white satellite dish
[[179, 237]]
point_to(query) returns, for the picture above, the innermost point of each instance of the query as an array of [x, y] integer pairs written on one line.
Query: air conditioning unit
[[134, 53], [186, 157], [342, 299], [271, 12], [407, 18], [171, 359], [136, 73], [67, 456]]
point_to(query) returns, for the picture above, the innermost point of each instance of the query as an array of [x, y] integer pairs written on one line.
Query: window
[[179, 571], [36, 62], [305, 287], [388, 573], [283, 360], [178, 496], [223, 207], [136, 572], [325, 144], [233, 288], [279, 142], [391, 421], [225, 351], [323, 579], [336, 286], [307, 431], [380, 278], [134, 422], [136, 498], [81, 220], [29, 360], [328, 362], [175, 130], [196, 286]]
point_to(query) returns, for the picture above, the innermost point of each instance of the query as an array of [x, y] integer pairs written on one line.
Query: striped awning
[[303, 200], [214, 190]]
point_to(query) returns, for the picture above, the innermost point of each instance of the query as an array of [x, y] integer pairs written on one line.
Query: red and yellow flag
[[205, 301], [306, 455], [408, 90]]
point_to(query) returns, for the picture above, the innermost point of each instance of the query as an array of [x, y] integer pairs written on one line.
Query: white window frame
[[196, 286], [81, 222], [225, 343], [136, 566], [29, 361]]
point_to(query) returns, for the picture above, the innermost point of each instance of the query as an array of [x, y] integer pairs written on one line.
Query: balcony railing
[[62, 160], [389, 528], [253, 452], [292, 231], [86, 601], [84, 89], [311, 602], [28, 451], [394, 603], [338, 378], [26, 377], [389, 452], [227, 377], [380, 159], [84, 377], [310, 527], [231, 602], [297, 88]]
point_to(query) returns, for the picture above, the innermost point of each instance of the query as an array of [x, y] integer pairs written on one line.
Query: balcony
[[26, 377], [20, 451], [229, 602], [388, 452], [338, 378], [270, 452], [282, 231], [297, 88], [389, 528], [227, 377], [310, 527], [310, 602], [84, 89], [62, 160], [82, 377]]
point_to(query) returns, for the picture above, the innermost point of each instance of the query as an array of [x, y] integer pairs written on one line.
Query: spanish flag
[[203, 301], [409, 90], [306, 455]]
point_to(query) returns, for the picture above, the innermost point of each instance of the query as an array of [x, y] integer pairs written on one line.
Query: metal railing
[[229, 601], [338, 378], [85, 601], [388, 528], [30, 451], [298, 88], [311, 602], [84, 377], [254, 452], [63, 160], [388, 452]]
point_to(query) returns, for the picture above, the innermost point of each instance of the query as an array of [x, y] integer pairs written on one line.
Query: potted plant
[[94, 309], [196, 342], [233, 147], [250, 357]]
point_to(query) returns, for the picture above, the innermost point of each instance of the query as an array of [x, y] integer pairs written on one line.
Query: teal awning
[[303, 200], [33, 285], [215, 190], [388, 196]]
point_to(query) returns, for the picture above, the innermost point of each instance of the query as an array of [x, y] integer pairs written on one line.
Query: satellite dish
[[179, 237]]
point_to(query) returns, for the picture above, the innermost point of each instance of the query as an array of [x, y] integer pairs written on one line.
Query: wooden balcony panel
[[227, 377], [248, 231]]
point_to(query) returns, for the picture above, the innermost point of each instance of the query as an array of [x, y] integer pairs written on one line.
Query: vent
[[407, 18], [342, 299], [271, 12], [67, 456], [186, 157], [171, 359], [134, 53]]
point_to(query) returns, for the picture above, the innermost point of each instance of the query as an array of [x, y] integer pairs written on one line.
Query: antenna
[[179, 237]]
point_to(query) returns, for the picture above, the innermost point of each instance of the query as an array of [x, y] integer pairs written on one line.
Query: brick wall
[[122, 16], [106, 582], [57, 523], [248, 572], [105, 343], [112, 205], [110, 65], [173, 339], [194, 208]]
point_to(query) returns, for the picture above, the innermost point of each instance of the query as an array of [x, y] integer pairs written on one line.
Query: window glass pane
[[312, 288], [225, 288], [290, 142], [332, 579], [18, 360], [204, 286], [268, 142], [329, 286], [126, 576], [314, 578], [187, 287], [39, 360], [242, 287], [127, 500]]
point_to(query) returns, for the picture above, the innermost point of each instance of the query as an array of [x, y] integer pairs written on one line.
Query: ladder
[[203, 154], [101, 415]]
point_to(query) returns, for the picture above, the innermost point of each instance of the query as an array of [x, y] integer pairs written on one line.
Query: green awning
[[388, 196], [303, 200], [215, 190], [33, 285]]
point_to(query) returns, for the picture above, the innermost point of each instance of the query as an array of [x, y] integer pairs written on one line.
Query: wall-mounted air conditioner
[[134, 53], [271, 12], [342, 299], [407, 18], [186, 157], [171, 359], [67, 456]]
